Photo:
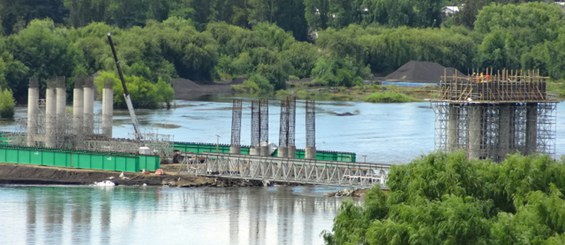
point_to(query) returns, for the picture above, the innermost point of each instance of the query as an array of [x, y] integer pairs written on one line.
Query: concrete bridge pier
[[107, 108], [50, 114], [476, 132], [32, 110], [291, 151], [282, 151], [310, 153]]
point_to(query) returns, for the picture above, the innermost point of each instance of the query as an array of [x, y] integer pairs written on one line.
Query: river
[[160, 215], [382, 133], [387, 133]]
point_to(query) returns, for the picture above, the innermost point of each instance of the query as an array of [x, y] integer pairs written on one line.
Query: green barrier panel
[[36, 157], [96, 161], [149, 163], [60, 159], [83, 161], [3, 155], [12, 156], [23, 156], [132, 165]]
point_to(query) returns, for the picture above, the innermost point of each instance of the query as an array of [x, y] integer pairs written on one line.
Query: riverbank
[[34, 175]]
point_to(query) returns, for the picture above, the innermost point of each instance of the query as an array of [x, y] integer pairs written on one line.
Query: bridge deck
[[285, 170]]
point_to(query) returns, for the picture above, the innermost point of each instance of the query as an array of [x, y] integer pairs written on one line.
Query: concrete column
[[50, 114], [107, 108], [452, 143], [291, 151], [88, 106], [264, 149], [235, 149], [61, 94], [254, 151], [310, 153], [282, 151], [475, 131], [531, 127], [504, 128], [78, 106], [32, 110]]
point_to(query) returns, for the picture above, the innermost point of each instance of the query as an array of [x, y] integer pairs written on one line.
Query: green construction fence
[[222, 148], [78, 159]]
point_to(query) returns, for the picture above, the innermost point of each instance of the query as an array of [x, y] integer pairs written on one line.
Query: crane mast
[[126, 93]]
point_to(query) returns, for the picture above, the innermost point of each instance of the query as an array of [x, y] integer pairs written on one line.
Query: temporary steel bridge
[[287, 170]]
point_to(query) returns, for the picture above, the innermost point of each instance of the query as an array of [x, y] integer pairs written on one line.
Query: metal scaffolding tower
[[493, 114]]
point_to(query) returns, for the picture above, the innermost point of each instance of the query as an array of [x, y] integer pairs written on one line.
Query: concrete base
[[282, 152], [265, 151], [253, 151], [291, 151], [310, 153], [234, 149]]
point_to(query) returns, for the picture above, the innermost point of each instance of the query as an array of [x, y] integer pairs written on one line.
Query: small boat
[[104, 183]]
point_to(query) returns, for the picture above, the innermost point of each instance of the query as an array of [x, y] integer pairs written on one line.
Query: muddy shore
[[33, 175]]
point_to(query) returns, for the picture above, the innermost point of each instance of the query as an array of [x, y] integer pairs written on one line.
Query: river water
[[159, 215], [386, 133]]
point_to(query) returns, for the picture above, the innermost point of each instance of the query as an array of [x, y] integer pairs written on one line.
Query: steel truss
[[269, 169]]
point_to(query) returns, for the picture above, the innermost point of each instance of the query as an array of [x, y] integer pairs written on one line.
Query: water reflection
[[78, 215]]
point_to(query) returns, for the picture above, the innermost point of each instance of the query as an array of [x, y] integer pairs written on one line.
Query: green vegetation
[[445, 198], [388, 97], [7, 104], [335, 43]]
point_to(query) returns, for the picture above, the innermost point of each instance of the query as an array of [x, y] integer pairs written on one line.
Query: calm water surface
[[384, 133], [389, 133], [137, 215]]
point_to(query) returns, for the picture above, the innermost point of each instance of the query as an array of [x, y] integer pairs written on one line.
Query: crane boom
[[126, 93]]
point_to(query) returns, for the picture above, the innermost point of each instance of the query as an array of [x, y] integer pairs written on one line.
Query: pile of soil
[[421, 71], [39, 175]]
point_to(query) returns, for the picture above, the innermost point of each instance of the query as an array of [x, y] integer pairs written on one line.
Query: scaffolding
[[493, 114], [52, 126], [264, 119], [236, 123], [310, 123], [255, 123]]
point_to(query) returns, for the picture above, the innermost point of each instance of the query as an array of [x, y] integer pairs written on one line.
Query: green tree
[[45, 49], [7, 104], [446, 198], [15, 15]]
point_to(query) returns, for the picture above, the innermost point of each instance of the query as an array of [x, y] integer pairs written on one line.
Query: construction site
[[491, 114]]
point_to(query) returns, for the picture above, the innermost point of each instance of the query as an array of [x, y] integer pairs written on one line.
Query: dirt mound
[[421, 71], [186, 89]]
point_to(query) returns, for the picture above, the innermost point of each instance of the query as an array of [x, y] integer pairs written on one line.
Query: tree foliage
[[445, 198], [219, 39]]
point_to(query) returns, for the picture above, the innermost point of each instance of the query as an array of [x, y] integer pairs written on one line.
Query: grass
[[389, 97], [556, 89], [367, 93]]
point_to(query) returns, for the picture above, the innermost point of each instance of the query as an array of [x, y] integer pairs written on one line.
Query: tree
[[45, 49], [7, 104], [446, 198], [16, 15]]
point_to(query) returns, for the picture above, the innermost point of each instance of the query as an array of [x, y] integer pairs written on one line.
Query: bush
[[448, 199], [7, 104], [143, 93]]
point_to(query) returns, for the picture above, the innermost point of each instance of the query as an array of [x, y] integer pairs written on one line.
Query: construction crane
[[127, 98]]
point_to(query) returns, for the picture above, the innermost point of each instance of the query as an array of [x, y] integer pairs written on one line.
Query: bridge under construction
[[286, 170]]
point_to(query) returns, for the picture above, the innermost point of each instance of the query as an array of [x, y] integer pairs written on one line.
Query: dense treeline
[[264, 41], [445, 198]]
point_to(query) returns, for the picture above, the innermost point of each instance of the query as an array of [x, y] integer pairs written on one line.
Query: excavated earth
[[32, 174]]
